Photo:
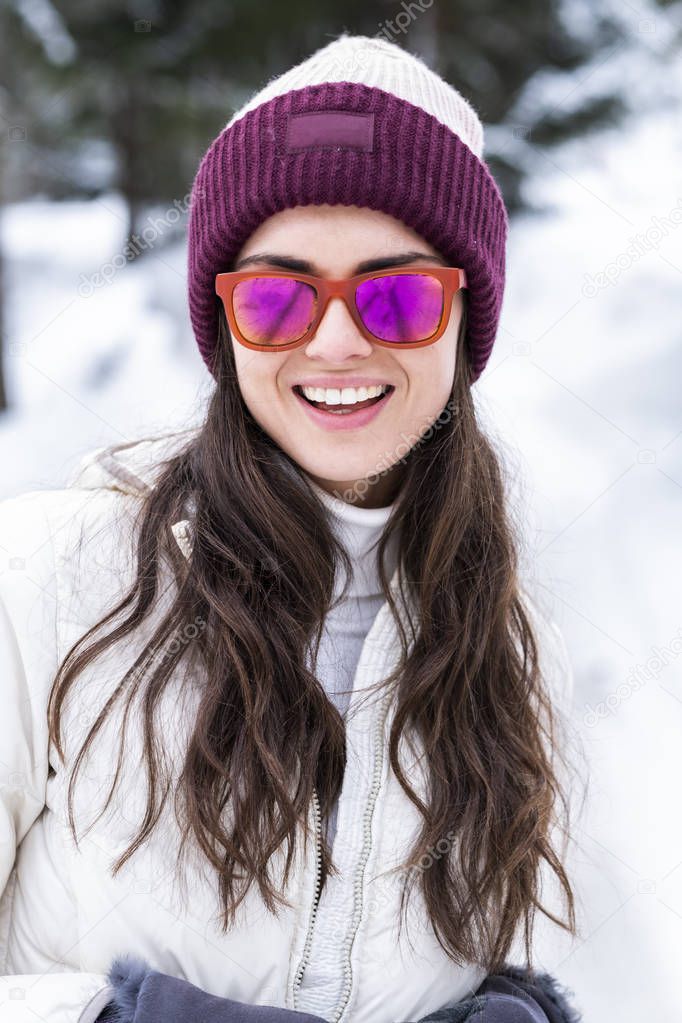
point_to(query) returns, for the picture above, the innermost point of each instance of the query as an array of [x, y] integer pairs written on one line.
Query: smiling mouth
[[342, 409]]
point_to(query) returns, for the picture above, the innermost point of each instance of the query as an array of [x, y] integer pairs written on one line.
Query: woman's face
[[332, 241]]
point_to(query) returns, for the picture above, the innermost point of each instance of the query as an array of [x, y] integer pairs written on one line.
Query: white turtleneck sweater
[[348, 623]]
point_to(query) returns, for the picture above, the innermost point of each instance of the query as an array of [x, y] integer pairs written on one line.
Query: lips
[[351, 418]]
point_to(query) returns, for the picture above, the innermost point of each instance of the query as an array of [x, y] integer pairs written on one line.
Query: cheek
[[431, 372], [429, 385], [257, 377], [262, 400]]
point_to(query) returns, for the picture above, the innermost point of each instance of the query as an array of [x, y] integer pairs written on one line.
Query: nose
[[337, 336]]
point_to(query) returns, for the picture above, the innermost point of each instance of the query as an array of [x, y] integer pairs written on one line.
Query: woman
[[302, 621]]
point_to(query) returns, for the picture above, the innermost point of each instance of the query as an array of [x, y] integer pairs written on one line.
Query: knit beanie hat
[[360, 122]]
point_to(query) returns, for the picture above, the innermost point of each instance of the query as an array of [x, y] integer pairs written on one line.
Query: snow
[[582, 396], [584, 381], [100, 363]]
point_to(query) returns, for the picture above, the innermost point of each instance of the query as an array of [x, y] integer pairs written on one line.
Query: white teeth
[[344, 395]]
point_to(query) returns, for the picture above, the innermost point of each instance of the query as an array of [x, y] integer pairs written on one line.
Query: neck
[[363, 493]]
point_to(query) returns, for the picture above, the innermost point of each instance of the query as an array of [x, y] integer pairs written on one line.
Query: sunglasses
[[277, 310]]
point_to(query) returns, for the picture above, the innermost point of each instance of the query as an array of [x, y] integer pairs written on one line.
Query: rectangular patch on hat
[[330, 129]]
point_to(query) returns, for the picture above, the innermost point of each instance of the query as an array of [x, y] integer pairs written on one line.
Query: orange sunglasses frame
[[452, 279]]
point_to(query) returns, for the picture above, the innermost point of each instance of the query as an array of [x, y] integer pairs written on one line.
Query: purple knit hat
[[360, 122]]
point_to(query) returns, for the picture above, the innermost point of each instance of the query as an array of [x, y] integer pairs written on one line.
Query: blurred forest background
[[105, 112], [104, 95]]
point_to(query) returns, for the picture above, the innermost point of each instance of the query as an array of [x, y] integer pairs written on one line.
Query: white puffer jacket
[[63, 918]]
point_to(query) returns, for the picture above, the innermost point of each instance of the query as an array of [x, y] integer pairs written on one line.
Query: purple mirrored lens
[[401, 307], [273, 310]]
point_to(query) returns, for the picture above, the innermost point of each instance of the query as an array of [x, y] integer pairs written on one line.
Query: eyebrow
[[305, 266]]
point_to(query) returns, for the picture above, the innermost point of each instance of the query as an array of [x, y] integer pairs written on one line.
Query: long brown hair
[[260, 580]]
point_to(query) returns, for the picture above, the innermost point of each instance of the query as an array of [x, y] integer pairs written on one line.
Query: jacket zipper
[[359, 874], [318, 870]]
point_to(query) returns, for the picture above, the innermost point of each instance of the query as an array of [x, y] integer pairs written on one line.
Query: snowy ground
[[582, 391]]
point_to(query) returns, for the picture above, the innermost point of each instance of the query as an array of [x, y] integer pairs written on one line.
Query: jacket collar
[[132, 469]]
